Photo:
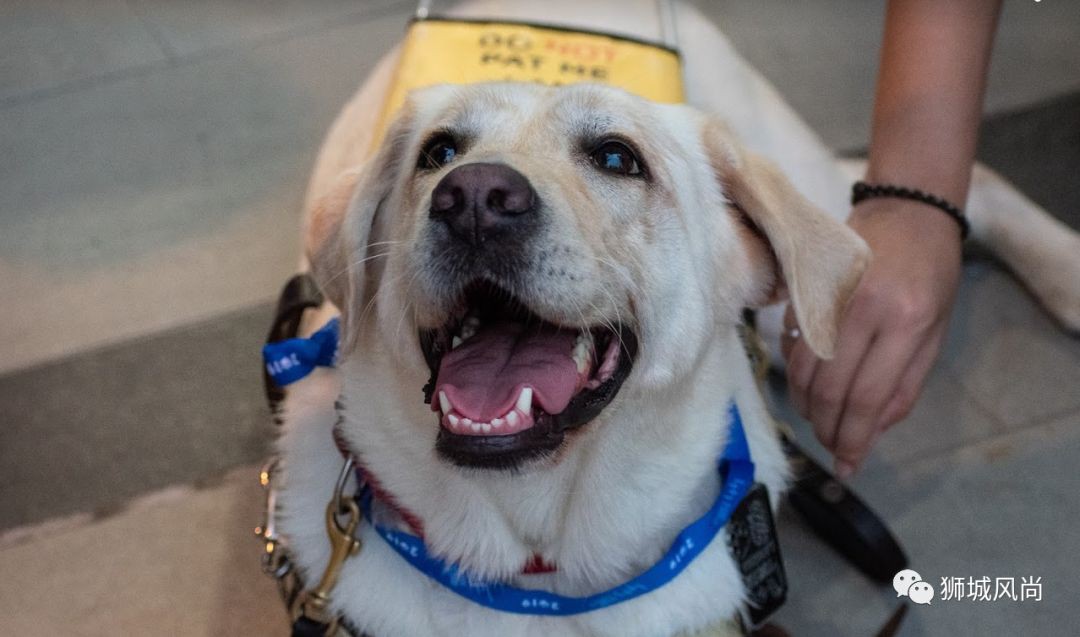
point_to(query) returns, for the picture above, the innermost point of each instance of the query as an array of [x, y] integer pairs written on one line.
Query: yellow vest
[[443, 51]]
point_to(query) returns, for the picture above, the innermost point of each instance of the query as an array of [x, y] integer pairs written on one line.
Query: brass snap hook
[[343, 544]]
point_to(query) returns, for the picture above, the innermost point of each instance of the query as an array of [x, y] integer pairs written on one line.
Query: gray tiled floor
[[155, 156], [202, 26], [1037, 146], [179, 562], [1036, 55], [1008, 354], [47, 45], [64, 46], [115, 423], [1002, 508], [162, 198]]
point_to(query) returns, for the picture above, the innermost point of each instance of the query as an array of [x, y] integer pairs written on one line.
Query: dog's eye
[[616, 157], [441, 150]]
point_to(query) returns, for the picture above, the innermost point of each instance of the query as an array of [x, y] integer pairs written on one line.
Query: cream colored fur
[[611, 503]]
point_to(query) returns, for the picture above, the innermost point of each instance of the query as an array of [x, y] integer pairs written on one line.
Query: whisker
[[409, 305], [356, 264], [614, 267]]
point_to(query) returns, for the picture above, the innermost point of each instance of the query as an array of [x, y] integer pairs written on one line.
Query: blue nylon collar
[[290, 360], [737, 472]]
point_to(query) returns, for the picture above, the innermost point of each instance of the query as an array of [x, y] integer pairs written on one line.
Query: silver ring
[[794, 333]]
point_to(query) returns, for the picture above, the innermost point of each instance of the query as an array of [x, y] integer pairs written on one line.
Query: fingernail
[[843, 469]]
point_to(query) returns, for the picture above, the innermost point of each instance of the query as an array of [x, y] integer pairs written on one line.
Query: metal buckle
[[274, 561], [342, 519]]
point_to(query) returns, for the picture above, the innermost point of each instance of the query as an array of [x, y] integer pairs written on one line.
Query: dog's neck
[[606, 509]]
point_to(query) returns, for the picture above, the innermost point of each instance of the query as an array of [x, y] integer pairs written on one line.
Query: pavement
[[156, 157]]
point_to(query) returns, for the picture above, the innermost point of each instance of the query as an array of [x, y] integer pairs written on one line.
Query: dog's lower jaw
[[606, 511]]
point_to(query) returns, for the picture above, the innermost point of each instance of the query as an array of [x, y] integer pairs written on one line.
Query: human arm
[[926, 115]]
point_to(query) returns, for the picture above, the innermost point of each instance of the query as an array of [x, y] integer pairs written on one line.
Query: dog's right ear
[[818, 260]]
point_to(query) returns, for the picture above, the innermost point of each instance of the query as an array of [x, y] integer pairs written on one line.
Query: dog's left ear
[[817, 259], [325, 244], [344, 224]]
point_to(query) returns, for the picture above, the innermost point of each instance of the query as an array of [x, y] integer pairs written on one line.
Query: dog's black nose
[[477, 201]]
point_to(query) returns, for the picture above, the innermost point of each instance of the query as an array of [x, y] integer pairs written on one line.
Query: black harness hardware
[[838, 516]]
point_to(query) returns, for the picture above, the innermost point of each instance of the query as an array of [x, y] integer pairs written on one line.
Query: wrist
[[909, 222], [948, 179], [865, 191]]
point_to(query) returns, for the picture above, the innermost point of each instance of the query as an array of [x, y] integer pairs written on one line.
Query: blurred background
[[154, 157]]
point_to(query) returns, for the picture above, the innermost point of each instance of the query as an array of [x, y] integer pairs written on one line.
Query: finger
[[833, 379], [911, 383], [800, 371], [800, 363], [876, 380]]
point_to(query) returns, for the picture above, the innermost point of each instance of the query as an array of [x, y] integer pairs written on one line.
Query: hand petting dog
[[926, 116], [890, 335]]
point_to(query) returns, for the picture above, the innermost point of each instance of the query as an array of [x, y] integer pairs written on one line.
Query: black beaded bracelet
[[862, 190]]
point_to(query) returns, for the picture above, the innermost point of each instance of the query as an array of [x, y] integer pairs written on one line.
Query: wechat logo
[[910, 584]]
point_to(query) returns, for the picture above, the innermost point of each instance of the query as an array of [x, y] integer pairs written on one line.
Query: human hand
[[890, 334]]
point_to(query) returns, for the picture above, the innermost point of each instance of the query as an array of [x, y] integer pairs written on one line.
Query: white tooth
[[472, 321], [444, 402], [453, 420], [476, 427], [512, 418], [524, 401], [455, 342], [486, 427], [497, 422], [467, 332], [581, 356], [467, 422]]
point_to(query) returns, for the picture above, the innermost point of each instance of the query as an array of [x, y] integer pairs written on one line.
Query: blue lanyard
[[290, 360], [736, 470]]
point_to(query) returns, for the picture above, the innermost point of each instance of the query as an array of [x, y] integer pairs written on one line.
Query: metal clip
[[343, 544], [274, 561]]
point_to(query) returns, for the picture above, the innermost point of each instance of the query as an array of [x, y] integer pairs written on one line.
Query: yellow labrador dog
[[567, 267]]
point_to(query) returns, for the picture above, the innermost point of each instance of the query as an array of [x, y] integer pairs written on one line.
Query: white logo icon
[[908, 583], [903, 580], [921, 593]]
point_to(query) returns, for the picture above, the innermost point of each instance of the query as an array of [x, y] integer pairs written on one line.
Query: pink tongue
[[484, 375]]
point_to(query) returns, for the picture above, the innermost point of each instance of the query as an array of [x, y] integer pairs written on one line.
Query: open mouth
[[507, 385]]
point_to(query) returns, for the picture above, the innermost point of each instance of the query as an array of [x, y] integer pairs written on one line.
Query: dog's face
[[536, 249]]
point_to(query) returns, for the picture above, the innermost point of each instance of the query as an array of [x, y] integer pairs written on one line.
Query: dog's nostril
[[446, 199], [496, 200], [514, 202], [510, 203]]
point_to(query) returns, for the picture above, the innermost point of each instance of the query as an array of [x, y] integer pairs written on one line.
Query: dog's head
[[534, 248]]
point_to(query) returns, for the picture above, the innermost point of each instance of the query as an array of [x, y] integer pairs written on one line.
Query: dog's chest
[[382, 595]]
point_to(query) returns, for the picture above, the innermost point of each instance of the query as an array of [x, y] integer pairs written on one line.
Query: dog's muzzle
[[506, 383]]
